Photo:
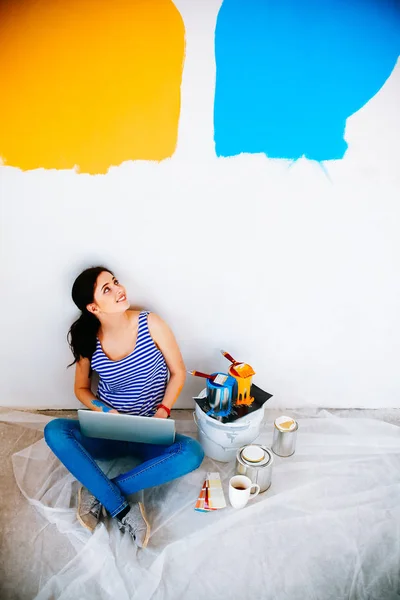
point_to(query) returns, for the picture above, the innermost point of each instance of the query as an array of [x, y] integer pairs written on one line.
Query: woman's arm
[[165, 341], [82, 388]]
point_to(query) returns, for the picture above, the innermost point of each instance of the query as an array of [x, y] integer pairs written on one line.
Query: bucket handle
[[205, 435]]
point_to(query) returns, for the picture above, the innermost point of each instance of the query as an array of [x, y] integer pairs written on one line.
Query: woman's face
[[109, 295]]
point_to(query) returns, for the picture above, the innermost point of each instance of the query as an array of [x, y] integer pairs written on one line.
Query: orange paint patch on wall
[[88, 82]]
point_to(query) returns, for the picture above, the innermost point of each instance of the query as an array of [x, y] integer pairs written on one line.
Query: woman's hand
[[161, 414]]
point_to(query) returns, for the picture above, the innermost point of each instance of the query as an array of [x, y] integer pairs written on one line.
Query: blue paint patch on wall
[[290, 72]]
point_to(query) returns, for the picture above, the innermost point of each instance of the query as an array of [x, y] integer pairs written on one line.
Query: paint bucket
[[243, 394], [221, 441], [255, 461], [284, 439], [220, 395]]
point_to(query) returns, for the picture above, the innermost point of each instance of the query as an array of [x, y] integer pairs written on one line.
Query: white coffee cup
[[240, 491]]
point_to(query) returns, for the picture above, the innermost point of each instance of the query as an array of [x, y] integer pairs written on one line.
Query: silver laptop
[[127, 428]]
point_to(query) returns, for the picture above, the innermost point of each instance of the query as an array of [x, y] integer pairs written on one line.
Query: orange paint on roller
[[89, 83]]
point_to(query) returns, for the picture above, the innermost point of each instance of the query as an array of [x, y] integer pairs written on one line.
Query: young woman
[[141, 372]]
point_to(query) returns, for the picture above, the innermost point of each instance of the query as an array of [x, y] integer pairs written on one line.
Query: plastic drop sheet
[[327, 529]]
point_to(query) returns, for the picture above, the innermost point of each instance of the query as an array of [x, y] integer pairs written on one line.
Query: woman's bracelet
[[167, 410]]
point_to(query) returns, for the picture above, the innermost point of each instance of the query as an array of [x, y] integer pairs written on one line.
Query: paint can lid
[[260, 464], [264, 462], [285, 423], [253, 453]]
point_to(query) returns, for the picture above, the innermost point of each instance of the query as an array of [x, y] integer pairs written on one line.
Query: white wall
[[308, 292]]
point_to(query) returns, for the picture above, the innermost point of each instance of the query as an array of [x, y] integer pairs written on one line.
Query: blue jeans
[[160, 463]]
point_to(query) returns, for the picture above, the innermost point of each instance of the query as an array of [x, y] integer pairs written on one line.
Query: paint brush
[[240, 369], [219, 378]]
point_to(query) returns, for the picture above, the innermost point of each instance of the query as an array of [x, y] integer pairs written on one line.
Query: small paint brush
[[241, 369], [218, 378]]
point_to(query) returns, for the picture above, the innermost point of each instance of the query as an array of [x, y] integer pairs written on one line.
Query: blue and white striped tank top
[[135, 384]]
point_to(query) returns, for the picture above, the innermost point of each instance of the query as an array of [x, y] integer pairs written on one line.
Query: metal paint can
[[220, 396], [243, 390], [255, 462], [285, 434]]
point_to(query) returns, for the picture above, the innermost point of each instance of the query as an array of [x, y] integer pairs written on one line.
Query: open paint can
[[285, 433], [255, 462], [220, 395], [243, 390]]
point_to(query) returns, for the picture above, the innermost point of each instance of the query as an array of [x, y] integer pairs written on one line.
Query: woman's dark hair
[[83, 333]]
